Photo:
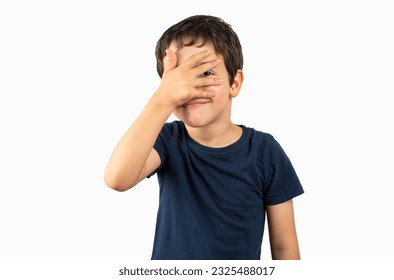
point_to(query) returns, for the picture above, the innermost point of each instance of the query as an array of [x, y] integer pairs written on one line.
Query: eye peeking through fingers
[[207, 73]]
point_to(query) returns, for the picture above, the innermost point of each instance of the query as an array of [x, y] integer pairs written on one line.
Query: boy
[[217, 179]]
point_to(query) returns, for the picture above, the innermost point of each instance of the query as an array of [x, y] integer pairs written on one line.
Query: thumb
[[169, 61]]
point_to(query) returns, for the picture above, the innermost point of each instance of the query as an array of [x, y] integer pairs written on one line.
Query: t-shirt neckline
[[195, 145]]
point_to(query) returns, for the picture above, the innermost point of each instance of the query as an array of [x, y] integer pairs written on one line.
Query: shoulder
[[170, 137], [258, 137], [171, 128], [172, 131], [264, 144]]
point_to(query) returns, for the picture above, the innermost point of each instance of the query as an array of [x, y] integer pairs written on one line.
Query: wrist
[[160, 103]]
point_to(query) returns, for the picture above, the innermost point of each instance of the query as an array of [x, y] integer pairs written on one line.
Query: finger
[[194, 60], [198, 93], [207, 81], [203, 67], [169, 61]]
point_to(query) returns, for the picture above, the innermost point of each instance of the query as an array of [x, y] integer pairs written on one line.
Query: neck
[[215, 135]]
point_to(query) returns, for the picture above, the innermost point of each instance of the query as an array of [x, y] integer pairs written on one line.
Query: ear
[[237, 84]]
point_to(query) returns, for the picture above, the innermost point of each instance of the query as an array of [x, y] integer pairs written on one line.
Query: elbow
[[116, 183], [117, 187]]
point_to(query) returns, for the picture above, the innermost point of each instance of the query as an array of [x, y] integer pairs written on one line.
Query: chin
[[195, 118], [194, 123]]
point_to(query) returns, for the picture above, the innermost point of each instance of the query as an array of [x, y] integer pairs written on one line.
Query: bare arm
[[134, 157], [282, 231]]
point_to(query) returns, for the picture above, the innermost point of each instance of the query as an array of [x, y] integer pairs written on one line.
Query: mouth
[[196, 103]]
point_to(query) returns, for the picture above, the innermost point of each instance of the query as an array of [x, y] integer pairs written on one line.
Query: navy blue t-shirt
[[212, 200]]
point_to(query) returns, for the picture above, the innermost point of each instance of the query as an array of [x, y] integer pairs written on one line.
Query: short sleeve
[[281, 182], [160, 148]]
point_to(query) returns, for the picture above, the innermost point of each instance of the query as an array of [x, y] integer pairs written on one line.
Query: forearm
[[131, 152]]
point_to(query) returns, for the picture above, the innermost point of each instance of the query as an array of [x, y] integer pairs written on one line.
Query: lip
[[195, 103]]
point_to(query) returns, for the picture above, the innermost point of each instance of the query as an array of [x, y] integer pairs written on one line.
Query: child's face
[[204, 112]]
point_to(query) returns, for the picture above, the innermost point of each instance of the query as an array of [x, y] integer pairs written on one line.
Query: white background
[[319, 76]]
